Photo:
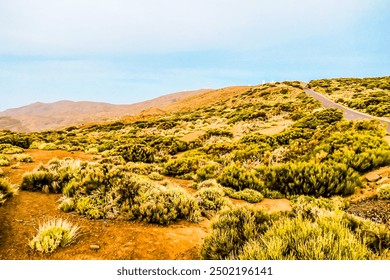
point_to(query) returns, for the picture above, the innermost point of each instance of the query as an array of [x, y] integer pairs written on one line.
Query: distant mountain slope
[[44, 116]]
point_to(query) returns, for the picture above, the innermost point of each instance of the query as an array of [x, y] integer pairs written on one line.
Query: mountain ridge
[[40, 116]]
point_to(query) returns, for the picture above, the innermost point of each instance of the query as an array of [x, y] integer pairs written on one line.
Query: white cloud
[[63, 26]]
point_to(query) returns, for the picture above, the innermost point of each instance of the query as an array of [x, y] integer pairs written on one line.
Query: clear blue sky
[[125, 51]]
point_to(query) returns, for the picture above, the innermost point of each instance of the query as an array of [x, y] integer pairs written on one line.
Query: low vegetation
[[6, 188], [238, 148], [53, 234], [368, 95]]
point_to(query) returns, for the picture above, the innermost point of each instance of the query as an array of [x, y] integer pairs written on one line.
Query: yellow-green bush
[[239, 178], [10, 149], [384, 191], [232, 228], [22, 158], [327, 238], [6, 189], [53, 234], [4, 160], [212, 198], [248, 195], [316, 179]]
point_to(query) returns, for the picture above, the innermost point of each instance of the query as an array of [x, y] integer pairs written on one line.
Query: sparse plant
[[6, 189], [22, 158], [53, 234], [384, 191], [155, 176], [4, 160], [248, 195], [212, 198]]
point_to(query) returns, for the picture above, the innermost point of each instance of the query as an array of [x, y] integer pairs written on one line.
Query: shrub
[[181, 166], [162, 205], [40, 181], [47, 146], [4, 160], [10, 149], [308, 178], [53, 234], [211, 183], [327, 238], [6, 189], [375, 236], [231, 229], [311, 207], [90, 207], [384, 191], [239, 178], [137, 153], [155, 176], [212, 198], [208, 171], [248, 195], [22, 158]]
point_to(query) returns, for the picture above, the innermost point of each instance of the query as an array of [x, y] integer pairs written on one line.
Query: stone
[[94, 247], [372, 177]]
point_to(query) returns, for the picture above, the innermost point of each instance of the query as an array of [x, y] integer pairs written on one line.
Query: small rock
[[383, 180], [372, 177], [94, 247]]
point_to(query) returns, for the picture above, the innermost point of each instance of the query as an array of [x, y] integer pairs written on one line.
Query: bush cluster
[[310, 178], [232, 229], [239, 178], [246, 233]]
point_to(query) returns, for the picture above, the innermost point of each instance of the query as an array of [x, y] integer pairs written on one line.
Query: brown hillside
[[206, 99], [46, 116]]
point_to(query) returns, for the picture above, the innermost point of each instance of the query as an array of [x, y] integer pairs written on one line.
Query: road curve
[[349, 114]]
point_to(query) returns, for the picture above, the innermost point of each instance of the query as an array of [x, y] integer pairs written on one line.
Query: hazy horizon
[[124, 52]]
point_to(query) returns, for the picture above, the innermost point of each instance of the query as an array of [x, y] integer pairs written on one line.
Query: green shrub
[[231, 229], [181, 166], [248, 195], [136, 153], [375, 236], [311, 207], [162, 205], [90, 207], [384, 191], [4, 160], [211, 183], [327, 238], [6, 189], [10, 149], [239, 178], [212, 198], [308, 178], [54, 234], [40, 181], [47, 146], [208, 171], [66, 204], [22, 158], [156, 176]]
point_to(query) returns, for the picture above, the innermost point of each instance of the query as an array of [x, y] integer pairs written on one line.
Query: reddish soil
[[21, 215]]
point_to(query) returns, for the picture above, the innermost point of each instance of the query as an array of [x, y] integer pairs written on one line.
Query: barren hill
[[44, 116]]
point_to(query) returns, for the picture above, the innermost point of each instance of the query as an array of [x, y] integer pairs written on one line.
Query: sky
[[126, 51]]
